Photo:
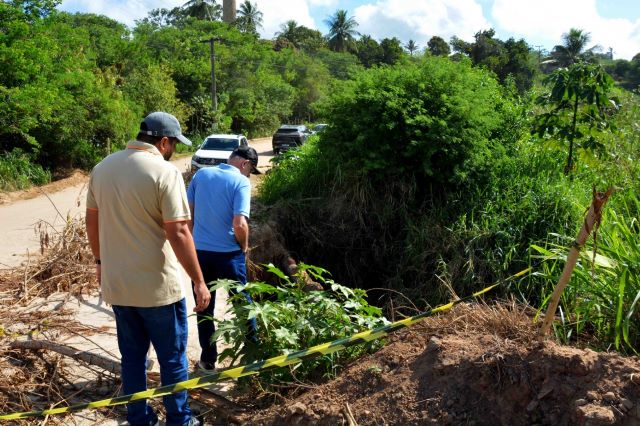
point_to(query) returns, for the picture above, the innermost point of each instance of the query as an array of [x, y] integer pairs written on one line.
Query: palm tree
[[288, 31], [250, 18], [203, 9], [341, 31], [411, 47], [572, 49]]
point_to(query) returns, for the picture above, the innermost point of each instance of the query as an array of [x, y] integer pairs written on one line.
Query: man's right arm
[[181, 242], [241, 231]]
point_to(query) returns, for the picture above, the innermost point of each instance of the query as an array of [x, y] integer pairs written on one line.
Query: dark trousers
[[219, 265], [165, 327]]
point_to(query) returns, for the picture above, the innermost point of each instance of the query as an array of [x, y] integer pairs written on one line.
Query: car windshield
[[289, 130], [220, 144]]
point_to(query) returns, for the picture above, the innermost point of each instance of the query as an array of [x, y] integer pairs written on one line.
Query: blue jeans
[[166, 328], [214, 266]]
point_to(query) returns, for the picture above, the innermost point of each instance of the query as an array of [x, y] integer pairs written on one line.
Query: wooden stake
[[593, 217]]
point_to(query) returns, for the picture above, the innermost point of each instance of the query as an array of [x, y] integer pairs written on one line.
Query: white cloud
[[325, 3], [276, 13], [125, 11], [420, 20], [545, 21]]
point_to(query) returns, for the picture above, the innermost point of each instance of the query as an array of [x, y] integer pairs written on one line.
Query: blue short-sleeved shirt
[[218, 194]]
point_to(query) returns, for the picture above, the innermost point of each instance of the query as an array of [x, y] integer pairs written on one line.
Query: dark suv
[[289, 136]]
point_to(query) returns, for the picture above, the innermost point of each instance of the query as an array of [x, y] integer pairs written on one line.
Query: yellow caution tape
[[256, 367]]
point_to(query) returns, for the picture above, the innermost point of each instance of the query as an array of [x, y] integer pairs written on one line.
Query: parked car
[[318, 127], [289, 136], [216, 149]]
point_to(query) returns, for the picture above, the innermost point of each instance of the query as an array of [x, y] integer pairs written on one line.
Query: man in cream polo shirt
[[137, 226]]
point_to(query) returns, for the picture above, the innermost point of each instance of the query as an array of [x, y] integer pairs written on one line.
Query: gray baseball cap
[[163, 124]]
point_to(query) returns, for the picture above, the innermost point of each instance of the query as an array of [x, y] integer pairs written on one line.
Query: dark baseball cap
[[163, 124], [250, 154]]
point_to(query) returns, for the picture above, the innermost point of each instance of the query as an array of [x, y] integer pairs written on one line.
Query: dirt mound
[[476, 365]]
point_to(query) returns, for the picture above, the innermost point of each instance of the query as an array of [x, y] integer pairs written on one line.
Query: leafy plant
[[291, 319], [580, 107]]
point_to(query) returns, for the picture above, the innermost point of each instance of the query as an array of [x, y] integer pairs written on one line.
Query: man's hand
[[203, 297]]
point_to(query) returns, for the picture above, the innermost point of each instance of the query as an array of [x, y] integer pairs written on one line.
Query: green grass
[[600, 304], [18, 172]]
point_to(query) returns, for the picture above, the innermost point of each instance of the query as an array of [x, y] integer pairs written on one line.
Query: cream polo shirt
[[136, 191]]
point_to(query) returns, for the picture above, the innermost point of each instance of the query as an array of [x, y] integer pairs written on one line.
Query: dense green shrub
[[406, 181], [435, 122]]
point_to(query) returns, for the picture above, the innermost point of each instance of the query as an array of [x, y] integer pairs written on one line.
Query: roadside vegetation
[[447, 185], [18, 171], [444, 167]]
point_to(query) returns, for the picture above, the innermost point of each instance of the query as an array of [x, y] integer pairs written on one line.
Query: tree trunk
[[569, 166], [228, 11]]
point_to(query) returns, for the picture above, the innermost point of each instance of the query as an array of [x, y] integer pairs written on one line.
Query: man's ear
[[161, 144]]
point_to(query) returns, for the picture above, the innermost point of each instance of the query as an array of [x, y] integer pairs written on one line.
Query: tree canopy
[[342, 31]]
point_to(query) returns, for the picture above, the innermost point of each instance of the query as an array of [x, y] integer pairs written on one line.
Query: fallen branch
[[201, 395], [68, 351]]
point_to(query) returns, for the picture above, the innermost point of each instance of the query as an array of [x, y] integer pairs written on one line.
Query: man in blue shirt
[[219, 198]]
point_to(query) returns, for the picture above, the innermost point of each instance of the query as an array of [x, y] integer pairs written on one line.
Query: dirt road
[[18, 218]]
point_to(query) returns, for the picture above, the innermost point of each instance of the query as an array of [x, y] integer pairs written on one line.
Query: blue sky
[[612, 23]]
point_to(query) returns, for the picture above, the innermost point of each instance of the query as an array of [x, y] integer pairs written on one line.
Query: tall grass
[[600, 304], [18, 172]]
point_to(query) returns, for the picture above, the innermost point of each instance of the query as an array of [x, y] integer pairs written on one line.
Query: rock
[[595, 415], [434, 345], [609, 397], [580, 402], [627, 403], [532, 406]]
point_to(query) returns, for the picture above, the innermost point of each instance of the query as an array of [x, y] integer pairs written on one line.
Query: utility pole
[[539, 54], [214, 95]]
